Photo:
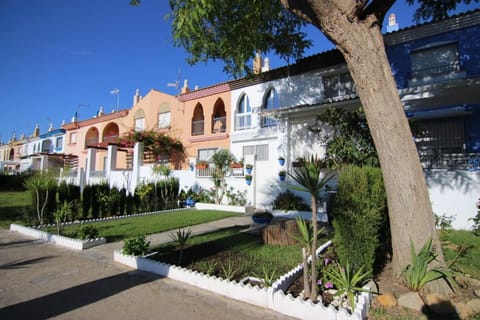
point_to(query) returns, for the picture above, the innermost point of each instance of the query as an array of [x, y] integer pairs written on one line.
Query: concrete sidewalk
[[39, 280]]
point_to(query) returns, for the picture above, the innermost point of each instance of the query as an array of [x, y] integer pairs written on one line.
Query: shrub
[[88, 232], [360, 216], [86, 201], [288, 201], [136, 245]]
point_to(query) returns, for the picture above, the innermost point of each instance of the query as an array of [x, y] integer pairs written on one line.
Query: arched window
[[219, 117], [110, 133], [198, 121], [164, 116], [91, 138], [270, 103], [11, 155], [243, 117]]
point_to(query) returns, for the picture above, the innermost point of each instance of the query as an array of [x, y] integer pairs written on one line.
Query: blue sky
[[58, 57]]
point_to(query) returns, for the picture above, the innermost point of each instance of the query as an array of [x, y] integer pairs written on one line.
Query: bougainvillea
[[157, 143]]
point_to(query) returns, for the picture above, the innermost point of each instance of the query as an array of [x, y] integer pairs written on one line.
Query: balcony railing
[[243, 121], [110, 139], [219, 125], [437, 70], [460, 161], [198, 127], [208, 172]]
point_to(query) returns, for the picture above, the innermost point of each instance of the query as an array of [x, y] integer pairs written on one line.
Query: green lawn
[[12, 205], [115, 230], [467, 260]]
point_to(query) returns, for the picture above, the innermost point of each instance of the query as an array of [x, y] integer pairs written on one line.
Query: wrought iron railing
[[460, 161]]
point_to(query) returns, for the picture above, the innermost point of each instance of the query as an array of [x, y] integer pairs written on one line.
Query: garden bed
[[272, 297]]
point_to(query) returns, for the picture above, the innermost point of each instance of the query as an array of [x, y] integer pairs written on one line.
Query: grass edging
[[272, 298], [63, 241]]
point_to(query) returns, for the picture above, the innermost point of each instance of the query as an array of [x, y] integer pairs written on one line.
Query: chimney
[[74, 118], [392, 23], [266, 65], [100, 112], [257, 63], [136, 97], [185, 88], [36, 131], [50, 128]]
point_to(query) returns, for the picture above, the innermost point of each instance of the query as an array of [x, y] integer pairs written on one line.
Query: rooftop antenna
[[116, 92], [175, 84]]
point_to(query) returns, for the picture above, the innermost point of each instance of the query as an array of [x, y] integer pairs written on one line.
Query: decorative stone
[[440, 304], [463, 310], [411, 300], [475, 305], [477, 292], [387, 300]]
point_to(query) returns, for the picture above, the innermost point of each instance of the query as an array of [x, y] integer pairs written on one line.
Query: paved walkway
[[39, 280]]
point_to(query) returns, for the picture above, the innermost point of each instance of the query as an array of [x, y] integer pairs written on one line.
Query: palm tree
[[221, 159], [310, 178]]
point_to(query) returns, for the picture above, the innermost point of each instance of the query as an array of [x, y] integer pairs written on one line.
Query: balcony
[[219, 125], [198, 127], [243, 121], [110, 139]]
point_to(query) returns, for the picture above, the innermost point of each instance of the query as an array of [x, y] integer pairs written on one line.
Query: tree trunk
[[306, 284], [313, 287], [410, 212]]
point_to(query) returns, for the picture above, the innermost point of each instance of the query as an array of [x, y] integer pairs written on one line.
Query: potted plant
[[282, 174], [262, 217], [248, 179], [281, 160], [248, 168], [201, 165], [236, 165]]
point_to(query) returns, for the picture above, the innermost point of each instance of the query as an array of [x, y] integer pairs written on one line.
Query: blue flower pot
[[281, 161], [248, 170], [249, 182], [282, 178]]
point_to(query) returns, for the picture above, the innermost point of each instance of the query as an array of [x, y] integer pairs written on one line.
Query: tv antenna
[[175, 84]]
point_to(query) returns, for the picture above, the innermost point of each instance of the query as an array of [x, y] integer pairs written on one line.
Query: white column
[[137, 163], [91, 159]]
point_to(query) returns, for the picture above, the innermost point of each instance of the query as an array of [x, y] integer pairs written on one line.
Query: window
[[270, 103], [140, 124], [338, 85], [164, 120], [59, 143], [261, 151], [435, 60], [243, 119], [198, 121], [206, 154], [139, 120], [73, 137]]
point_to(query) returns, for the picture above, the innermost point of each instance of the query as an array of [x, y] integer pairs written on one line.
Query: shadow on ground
[[75, 297]]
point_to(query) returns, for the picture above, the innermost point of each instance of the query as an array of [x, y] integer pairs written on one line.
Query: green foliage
[[236, 198], [109, 201], [288, 201], [63, 213], [360, 216], [268, 277], [86, 201], [347, 281], [417, 273], [155, 142], [229, 269], [43, 189], [443, 222], [462, 252], [347, 137], [88, 231], [206, 31], [476, 224], [181, 236], [13, 182], [136, 245], [14, 208]]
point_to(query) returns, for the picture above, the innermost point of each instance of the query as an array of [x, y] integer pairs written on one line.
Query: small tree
[[63, 213], [311, 178], [40, 185], [221, 159]]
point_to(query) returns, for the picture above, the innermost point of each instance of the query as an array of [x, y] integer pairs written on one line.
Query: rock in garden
[[463, 310], [477, 292], [475, 305], [411, 300], [440, 304], [387, 300]]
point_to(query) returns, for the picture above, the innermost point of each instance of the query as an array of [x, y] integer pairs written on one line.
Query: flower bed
[[272, 297], [70, 243]]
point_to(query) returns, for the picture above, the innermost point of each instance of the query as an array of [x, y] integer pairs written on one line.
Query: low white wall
[[454, 193], [272, 297], [75, 244], [220, 207]]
